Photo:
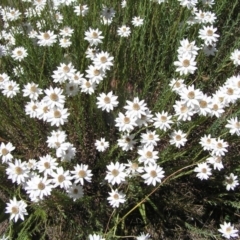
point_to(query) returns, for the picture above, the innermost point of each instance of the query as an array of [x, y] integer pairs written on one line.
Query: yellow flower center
[[178, 138], [66, 69], [4, 151], [54, 97], [94, 35], [191, 95], [153, 173], [18, 170], [47, 165], [186, 63], [82, 174], [149, 154], [15, 210], [126, 120], [103, 59], [61, 178], [46, 36], [115, 172], [57, 114], [209, 32], [116, 196], [203, 104], [136, 106], [41, 186], [107, 100]]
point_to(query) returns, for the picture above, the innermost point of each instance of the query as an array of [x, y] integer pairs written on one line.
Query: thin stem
[[153, 191]]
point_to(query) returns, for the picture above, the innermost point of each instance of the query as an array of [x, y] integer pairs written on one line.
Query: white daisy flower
[[219, 147], [88, 87], [5, 152], [81, 10], [17, 209], [188, 47], [81, 173], [123, 3], [61, 178], [116, 173], [147, 155], [207, 142], [54, 97], [135, 108], [57, 116], [208, 3], [95, 237], [235, 57], [77, 78], [93, 36], [17, 171], [47, 38], [75, 191], [32, 91], [217, 108], [137, 21], [207, 33], [47, 165], [19, 53], [125, 123], [66, 32], [12, 14], [95, 73], [204, 107], [31, 109], [191, 96], [65, 42], [177, 85], [209, 50], [56, 139], [227, 230], [186, 64], [126, 142], [66, 151], [103, 60], [124, 31], [42, 110], [3, 78], [107, 101], [234, 126], [91, 52], [64, 72], [10, 89], [108, 12], [203, 171], [144, 119], [162, 121], [71, 89], [38, 188], [216, 161], [101, 145], [188, 3], [144, 236], [231, 182], [133, 168], [115, 198], [150, 138], [153, 175], [178, 138]]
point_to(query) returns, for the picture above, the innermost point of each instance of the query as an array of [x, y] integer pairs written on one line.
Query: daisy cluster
[[38, 177], [139, 129]]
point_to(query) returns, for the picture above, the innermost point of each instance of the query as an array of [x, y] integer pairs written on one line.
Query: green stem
[[145, 198]]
